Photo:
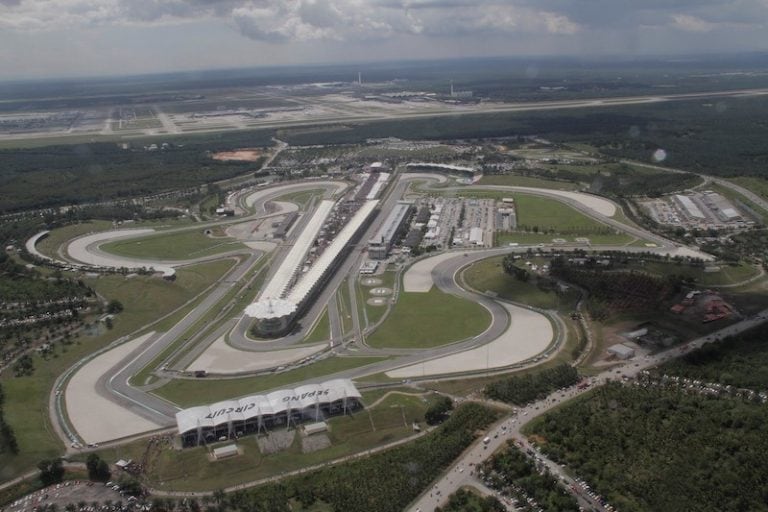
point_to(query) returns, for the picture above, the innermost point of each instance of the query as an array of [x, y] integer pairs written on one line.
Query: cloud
[[359, 20], [691, 23]]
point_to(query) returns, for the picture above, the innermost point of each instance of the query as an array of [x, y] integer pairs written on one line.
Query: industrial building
[[232, 419], [621, 351], [389, 232]]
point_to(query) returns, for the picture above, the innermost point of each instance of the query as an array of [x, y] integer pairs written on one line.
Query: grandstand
[[292, 287], [253, 414]]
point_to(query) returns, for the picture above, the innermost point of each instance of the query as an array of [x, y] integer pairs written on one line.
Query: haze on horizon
[[55, 38]]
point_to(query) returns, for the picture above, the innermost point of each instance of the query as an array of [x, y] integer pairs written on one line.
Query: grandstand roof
[[250, 407], [278, 285], [270, 308], [326, 259]]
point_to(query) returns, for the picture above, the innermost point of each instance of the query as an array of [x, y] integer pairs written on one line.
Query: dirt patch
[[240, 155], [276, 441], [314, 443]]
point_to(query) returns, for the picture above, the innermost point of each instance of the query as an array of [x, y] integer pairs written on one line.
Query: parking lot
[[91, 495]]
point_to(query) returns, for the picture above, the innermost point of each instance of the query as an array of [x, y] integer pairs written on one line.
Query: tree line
[[651, 448], [523, 389], [384, 482]]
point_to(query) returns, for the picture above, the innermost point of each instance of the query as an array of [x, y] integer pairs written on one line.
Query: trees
[[114, 307], [98, 470], [51, 471], [438, 412], [521, 390]]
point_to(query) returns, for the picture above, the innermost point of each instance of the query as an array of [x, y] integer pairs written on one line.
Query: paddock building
[[253, 414]]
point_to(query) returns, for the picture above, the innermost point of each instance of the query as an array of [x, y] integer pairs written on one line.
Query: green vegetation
[[649, 448], [8, 443], [740, 361], [758, 185], [175, 246], [515, 474], [465, 500], [488, 276], [189, 392], [59, 236], [727, 275], [544, 215], [387, 481], [321, 331], [423, 320], [611, 291], [96, 171], [191, 469], [521, 390], [145, 299], [439, 411], [515, 180]]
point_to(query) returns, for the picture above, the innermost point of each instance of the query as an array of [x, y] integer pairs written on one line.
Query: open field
[[175, 246], [488, 275], [423, 320], [191, 469], [145, 299], [321, 331], [728, 274], [191, 392], [50, 244], [552, 215]]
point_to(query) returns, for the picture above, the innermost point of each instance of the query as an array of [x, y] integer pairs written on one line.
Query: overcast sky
[[40, 38]]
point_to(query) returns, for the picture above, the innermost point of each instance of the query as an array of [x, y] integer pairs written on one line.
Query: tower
[[359, 79], [452, 93]]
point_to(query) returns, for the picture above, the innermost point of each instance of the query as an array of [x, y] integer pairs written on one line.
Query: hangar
[[250, 415]]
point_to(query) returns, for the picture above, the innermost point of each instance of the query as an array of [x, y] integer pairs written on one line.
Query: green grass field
[[50, 244], [728, 274], [190, 392], [321, 331], [176, 246], [26, 398], [192, 470], [488, 275], [432, 319]]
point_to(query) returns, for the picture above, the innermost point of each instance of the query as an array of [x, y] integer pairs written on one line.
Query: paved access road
[[510, 427]]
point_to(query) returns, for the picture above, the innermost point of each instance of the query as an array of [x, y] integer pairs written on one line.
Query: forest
[[650, 448], [612, 291], [8, 442], [740, 361], [63, 175], [521, 390], [384, 482], [468, 501], [516, 475]]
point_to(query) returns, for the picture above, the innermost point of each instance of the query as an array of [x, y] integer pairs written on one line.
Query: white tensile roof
[[251, 407]]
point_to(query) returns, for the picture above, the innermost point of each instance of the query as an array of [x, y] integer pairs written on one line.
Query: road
[[510, 427], [117, 384]]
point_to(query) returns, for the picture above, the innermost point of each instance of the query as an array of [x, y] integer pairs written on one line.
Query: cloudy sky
[[41, 38]]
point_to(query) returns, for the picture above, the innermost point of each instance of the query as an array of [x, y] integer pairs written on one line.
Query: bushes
[[384, 482], [527, 388], [438, 411], [660, 449]]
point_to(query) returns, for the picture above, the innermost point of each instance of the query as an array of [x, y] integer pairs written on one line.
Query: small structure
[[621, 351], [315, 428], [224, 452]]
